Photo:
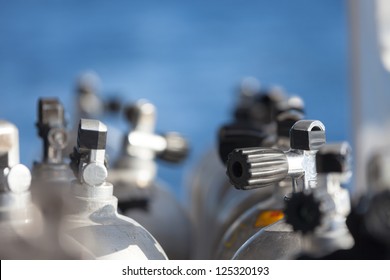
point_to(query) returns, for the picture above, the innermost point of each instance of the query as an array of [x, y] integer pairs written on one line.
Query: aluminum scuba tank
[[210, 171], [20, 219], [259, 167], [253, 125], [319, 214], [140, 196], [51, 178], [92, 227], [235, 201], [267, 211], [52, 169]]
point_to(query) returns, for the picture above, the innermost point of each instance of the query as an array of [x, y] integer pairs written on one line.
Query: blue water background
[[187, 57]]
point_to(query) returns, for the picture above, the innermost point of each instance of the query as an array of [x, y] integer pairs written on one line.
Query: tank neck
[[10, 200], [86, 199]]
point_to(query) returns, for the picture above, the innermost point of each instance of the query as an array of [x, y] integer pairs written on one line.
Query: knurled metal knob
[[256, 167]]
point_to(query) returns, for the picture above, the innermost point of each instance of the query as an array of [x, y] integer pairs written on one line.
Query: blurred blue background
[[187, 57]]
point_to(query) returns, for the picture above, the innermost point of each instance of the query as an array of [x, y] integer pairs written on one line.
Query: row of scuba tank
[[271, 189]]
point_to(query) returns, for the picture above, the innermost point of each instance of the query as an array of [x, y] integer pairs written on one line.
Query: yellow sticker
[[268, 217]]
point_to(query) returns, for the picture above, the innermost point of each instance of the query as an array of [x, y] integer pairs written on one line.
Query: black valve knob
[[234, 136], [92, 135], [260, 108], [334, 158], [302, 211], [285, 121]]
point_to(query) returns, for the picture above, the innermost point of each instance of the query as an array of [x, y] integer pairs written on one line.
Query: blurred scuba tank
[[260, 167], [254, 125], [52, 171], [51, 178], [370, 69], [264, 212], [235, 202], [92, 227], [91, 103], [140, 196], [20, 219], [210, 171]]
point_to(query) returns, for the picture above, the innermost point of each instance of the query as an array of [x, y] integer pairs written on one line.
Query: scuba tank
[[51, 125], [210, 171], [140, 196], [319, 214], [20, 219], [92, 228], [235, 202], [217, 202], [266, 211], [51, 177], [260, 167], [369, 218]]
